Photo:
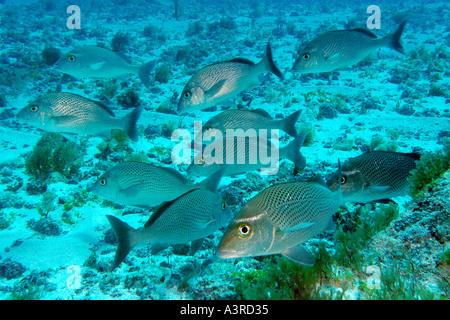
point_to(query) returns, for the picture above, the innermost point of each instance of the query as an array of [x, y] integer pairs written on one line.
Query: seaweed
[[283, 279], [224, 23], [129, 99], [194, 28], [50, 55], [120, 41], [110, 88], [353, 235], [429, 168], [10, 269], [162, 73], [343, 144], [394, 285], [45, 226], [53, 154], [47, 204]]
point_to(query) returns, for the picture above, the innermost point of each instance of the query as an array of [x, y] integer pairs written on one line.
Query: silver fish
[[375, 176], [341, 48], [98, 62], [251, 119], [146, 185], [221, 81], [70, 114], [280, 218], [191, 217], [245, 157]]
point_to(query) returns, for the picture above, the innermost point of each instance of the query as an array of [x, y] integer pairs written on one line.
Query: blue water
[[55, 241]]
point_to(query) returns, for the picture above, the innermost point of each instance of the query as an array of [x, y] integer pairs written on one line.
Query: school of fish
[[278, 219]]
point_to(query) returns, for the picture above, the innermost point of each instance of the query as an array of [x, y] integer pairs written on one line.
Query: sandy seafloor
[[369, 97]]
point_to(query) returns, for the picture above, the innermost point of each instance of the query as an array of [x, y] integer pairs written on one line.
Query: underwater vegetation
[[50, 55], [52, 154], [403, 247], [430, 168], [341, 270], [120, 41]]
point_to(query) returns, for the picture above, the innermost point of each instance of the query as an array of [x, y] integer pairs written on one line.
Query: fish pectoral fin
[[333, 58], [105, 134], [195, 245], [63, 120], [299, 226], [377, 189], [158, 247], [69, 136], [330, 227], [300, 255], [130, 192], [97, 66], [215, 89], [385, 201]]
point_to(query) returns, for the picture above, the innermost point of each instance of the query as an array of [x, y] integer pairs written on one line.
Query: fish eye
[[201, 161], [208, 128], [34, 108], [244, 230], [306, 56], [187, 94], [223, 205], [102, 182], [71, 58], [343, 180]]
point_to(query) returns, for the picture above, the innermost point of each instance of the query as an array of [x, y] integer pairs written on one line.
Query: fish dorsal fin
[[122, 55], [172, 171], [366, 32], [319, 180], [262, 112], [97, 66], [415, 156], [162, 208], [242, 60]]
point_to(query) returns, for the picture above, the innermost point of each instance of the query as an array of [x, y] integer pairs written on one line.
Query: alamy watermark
[[74, 21], [374, 280], [74, 280], [241, 147], [374, 21]]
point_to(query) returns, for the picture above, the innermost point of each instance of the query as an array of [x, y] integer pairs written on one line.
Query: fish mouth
[[56, 66], [183, 110], [227, 254]]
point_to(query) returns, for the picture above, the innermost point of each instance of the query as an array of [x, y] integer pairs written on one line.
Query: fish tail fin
[[144, 72], [268, 62], [288, 123], [124, 237], [131, 121], [292, 150], [394, 38]]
